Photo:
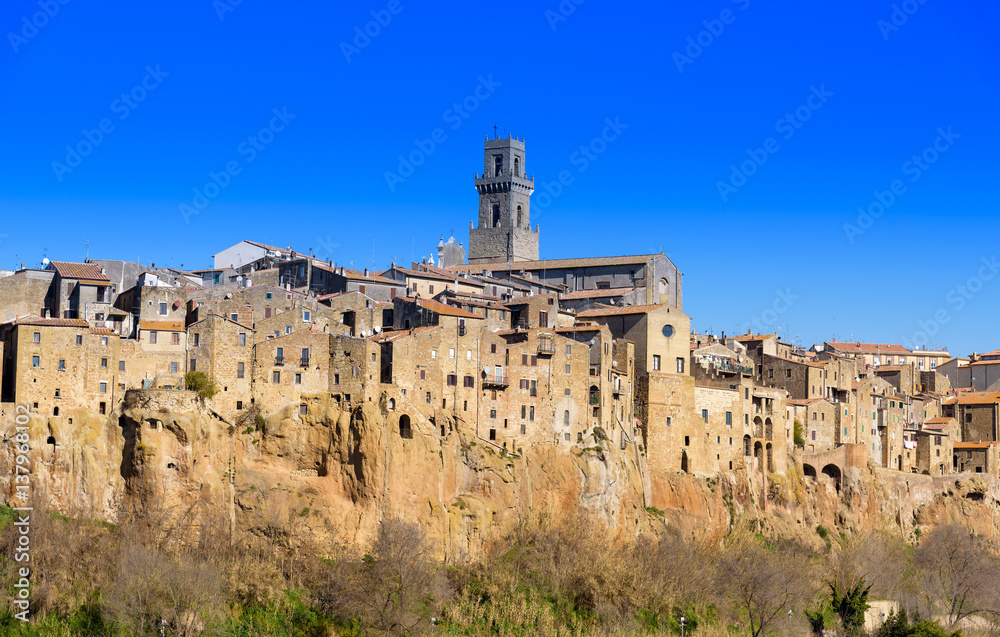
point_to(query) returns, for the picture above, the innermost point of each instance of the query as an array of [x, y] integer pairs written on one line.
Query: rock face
[[331, 475]]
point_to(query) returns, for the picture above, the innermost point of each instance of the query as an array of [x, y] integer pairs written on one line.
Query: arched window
[[517, 166], [496, 215], [404, 427], [392, 404], [566, 417], [520, 222], [497, 165]]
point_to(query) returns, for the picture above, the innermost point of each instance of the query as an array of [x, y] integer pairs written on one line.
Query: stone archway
[[809, 470], [833, 472], [770, 457], [405, 431], [758, 427], [768, 429]]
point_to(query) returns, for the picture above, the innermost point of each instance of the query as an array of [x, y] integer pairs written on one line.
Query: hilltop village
[[518, 351]]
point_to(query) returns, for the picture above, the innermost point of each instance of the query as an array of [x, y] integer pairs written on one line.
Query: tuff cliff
[[332, 474]]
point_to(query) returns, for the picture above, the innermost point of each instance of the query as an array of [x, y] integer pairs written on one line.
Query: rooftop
[[619, 311], [554, 264], [81, 271]]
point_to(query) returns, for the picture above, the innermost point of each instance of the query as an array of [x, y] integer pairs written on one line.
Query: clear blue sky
[[865, 98]]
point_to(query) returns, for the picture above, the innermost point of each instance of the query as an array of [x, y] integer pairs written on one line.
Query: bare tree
[[958, 572], [763, 582]]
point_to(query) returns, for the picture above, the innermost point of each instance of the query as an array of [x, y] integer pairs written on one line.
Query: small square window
[[104, 387], [36, 337], [36, 361], [306, 316], [275, 377], [173, 368], [79, 339], [62, 364], [104, 363], [298, 379], [239, 370], [234, 317]]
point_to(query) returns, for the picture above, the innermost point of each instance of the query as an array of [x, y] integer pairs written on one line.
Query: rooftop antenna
[[86, 246]]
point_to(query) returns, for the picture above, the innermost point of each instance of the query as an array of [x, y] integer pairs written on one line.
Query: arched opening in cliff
[[768, 430], [833, 472], [809, 471], [746, 446], [404, 427], [758, 427], [684, 461], [770, 457]]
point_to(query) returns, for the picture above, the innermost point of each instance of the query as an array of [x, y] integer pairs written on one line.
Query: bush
[[200, 382], [798, 434]]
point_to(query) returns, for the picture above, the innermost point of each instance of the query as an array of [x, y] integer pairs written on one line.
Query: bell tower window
[[519, 216], [517, 166], [497, 165], [496, 215]]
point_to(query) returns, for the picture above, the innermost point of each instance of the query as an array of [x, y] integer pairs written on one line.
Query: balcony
[[546, 348], [279, 360], [595, 399], [495, 380], [304, 362]]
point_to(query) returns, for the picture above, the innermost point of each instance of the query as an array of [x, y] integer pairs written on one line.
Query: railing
[[595, 400], [305, 362], [546, 348], [461, 330], [495, 380], [279, 360]]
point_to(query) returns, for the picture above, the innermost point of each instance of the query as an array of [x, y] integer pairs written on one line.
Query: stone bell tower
[[504, 233]]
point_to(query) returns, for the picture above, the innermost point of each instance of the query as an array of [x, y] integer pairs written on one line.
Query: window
[[468, 354], [704, 415], [568, 368], [669, 421], [423, 374], [680, 365], [267, 312], [566, 393], [531, 413], [268, 296], [305, 356], [175, 338], [493, 348], [493, 414], [814, 434], [452, 380], [307, 315], [275, 377], [451, 352], [288, 329], [104, 387], [428, 398], [104, 341], [197, 340], [303, 409], [279, 356], [239, 404], [194, 365], [35, 361], [524, 411], [57, 392], [468, 381], [239, 370], [524, 359], [121, 366], [569, 350], [173, 367], [497, 165], [431, 288], [62, 364], [36, 337], [163, 309], [336, 379], [242, 339], [152, 338], [79, 339], [298, 379], [729, 419], [434, 353], [770, 373], [656, 362], [746, 420]]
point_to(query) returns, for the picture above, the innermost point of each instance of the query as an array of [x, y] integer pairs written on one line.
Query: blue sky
[[761, 212]]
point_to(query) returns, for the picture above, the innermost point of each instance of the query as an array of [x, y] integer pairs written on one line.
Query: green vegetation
[[200, 383], [798, 434], [564, 575]]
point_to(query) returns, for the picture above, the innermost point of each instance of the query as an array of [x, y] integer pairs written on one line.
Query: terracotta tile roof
[[359, 275], [162, 326], [619, 311], [552, 264], [103, 331], [445, 309], [581, 327], [868, 348], [81, 271], [889, 368], [507, 282], [421, 275], [597, 294], [753, 337], [979, 398], [50, 322], [973, 445], [981, 362]]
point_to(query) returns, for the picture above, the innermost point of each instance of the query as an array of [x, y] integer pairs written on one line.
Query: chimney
[[366, 271]]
